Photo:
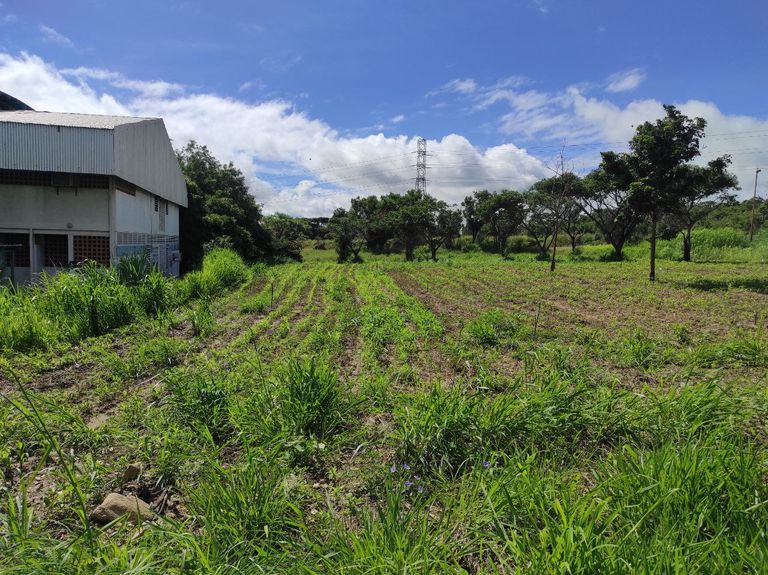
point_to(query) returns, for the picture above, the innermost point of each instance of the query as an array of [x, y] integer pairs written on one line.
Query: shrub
[[518, 244], [131, 270], [713, 238], [87, 302]]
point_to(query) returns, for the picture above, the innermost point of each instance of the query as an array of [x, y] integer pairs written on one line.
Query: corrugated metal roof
[[135, 149], [68, 120]]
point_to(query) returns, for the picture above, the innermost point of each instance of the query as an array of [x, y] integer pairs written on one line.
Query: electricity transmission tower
[[421, 165]]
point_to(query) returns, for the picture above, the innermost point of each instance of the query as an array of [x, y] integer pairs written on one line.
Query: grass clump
[[222, 269], [244, 512], [494, 328], [301, 407]]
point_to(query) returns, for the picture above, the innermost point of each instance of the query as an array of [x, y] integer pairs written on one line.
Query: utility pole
[[754, 201], [421, 165]]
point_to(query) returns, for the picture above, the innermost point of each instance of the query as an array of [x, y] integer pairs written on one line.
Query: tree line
[[653, 190], [654, 186]]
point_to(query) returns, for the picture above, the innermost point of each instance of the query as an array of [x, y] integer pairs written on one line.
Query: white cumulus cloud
[[293, 163]]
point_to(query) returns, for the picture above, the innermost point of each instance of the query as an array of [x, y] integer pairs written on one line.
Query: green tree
[[349, 234], [539, 219], [701, 183], [736, 215], [552, 207], [287, 235], [441, 224], [472, 220], [220, 209], [504, 213], [405, 215], [607, 201], [371, 212], [658, 158]]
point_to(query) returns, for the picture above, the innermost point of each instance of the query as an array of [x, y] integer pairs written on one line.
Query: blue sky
[[320, 101]]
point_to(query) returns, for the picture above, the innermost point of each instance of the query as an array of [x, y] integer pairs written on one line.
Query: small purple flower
[[486, 464], [393, 469], [405, 467], [417, 477], [408, 484], [420, 489]]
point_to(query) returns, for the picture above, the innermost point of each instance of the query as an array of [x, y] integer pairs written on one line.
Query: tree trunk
[[652, 275], [408, 251], [554, 246], [554, 254], [573, 244], [433, 250], [618, 250], [687, 245]]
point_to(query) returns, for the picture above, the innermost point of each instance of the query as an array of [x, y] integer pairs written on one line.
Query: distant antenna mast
[[421, 165]]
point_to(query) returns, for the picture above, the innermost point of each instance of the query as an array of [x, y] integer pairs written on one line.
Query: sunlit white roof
[[68, 120]]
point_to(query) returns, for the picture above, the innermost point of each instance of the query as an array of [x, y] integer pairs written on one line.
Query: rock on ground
[[116, 505]]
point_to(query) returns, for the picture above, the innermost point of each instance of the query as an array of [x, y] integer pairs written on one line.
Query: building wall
[[144, 156], [145, 223], [56, 149], [129, 221], [46, 208], [41, 211]]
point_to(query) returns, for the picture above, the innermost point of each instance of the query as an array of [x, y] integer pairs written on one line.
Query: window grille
[[55, 249], [95, 248], [48, 179], [21, 254]]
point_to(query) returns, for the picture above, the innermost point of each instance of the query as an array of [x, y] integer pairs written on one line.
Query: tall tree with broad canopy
[[503, 212], [370, 211], [441, 224], [539, 219], [349, 234], [472, 217], [405, 214], [607, 201], [220, 209], [701, 183], [286, 234], [552, 207], [658, 158]]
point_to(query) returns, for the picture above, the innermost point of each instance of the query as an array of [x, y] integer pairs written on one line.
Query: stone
[[116, 505], [131, 473]]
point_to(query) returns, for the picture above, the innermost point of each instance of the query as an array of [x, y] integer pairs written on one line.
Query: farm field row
[[471, 416]]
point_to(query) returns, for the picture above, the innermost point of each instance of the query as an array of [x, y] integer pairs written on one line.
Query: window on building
[[157, 204], [166, 207], [94, 248], [55, 249], [20, 253]]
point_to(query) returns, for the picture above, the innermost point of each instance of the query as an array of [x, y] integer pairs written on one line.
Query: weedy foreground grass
[[469, 416]]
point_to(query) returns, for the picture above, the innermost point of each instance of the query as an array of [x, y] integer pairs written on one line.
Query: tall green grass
[[71, 306]]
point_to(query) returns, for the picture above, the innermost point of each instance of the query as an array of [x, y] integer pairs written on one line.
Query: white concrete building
[[77, 186]]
